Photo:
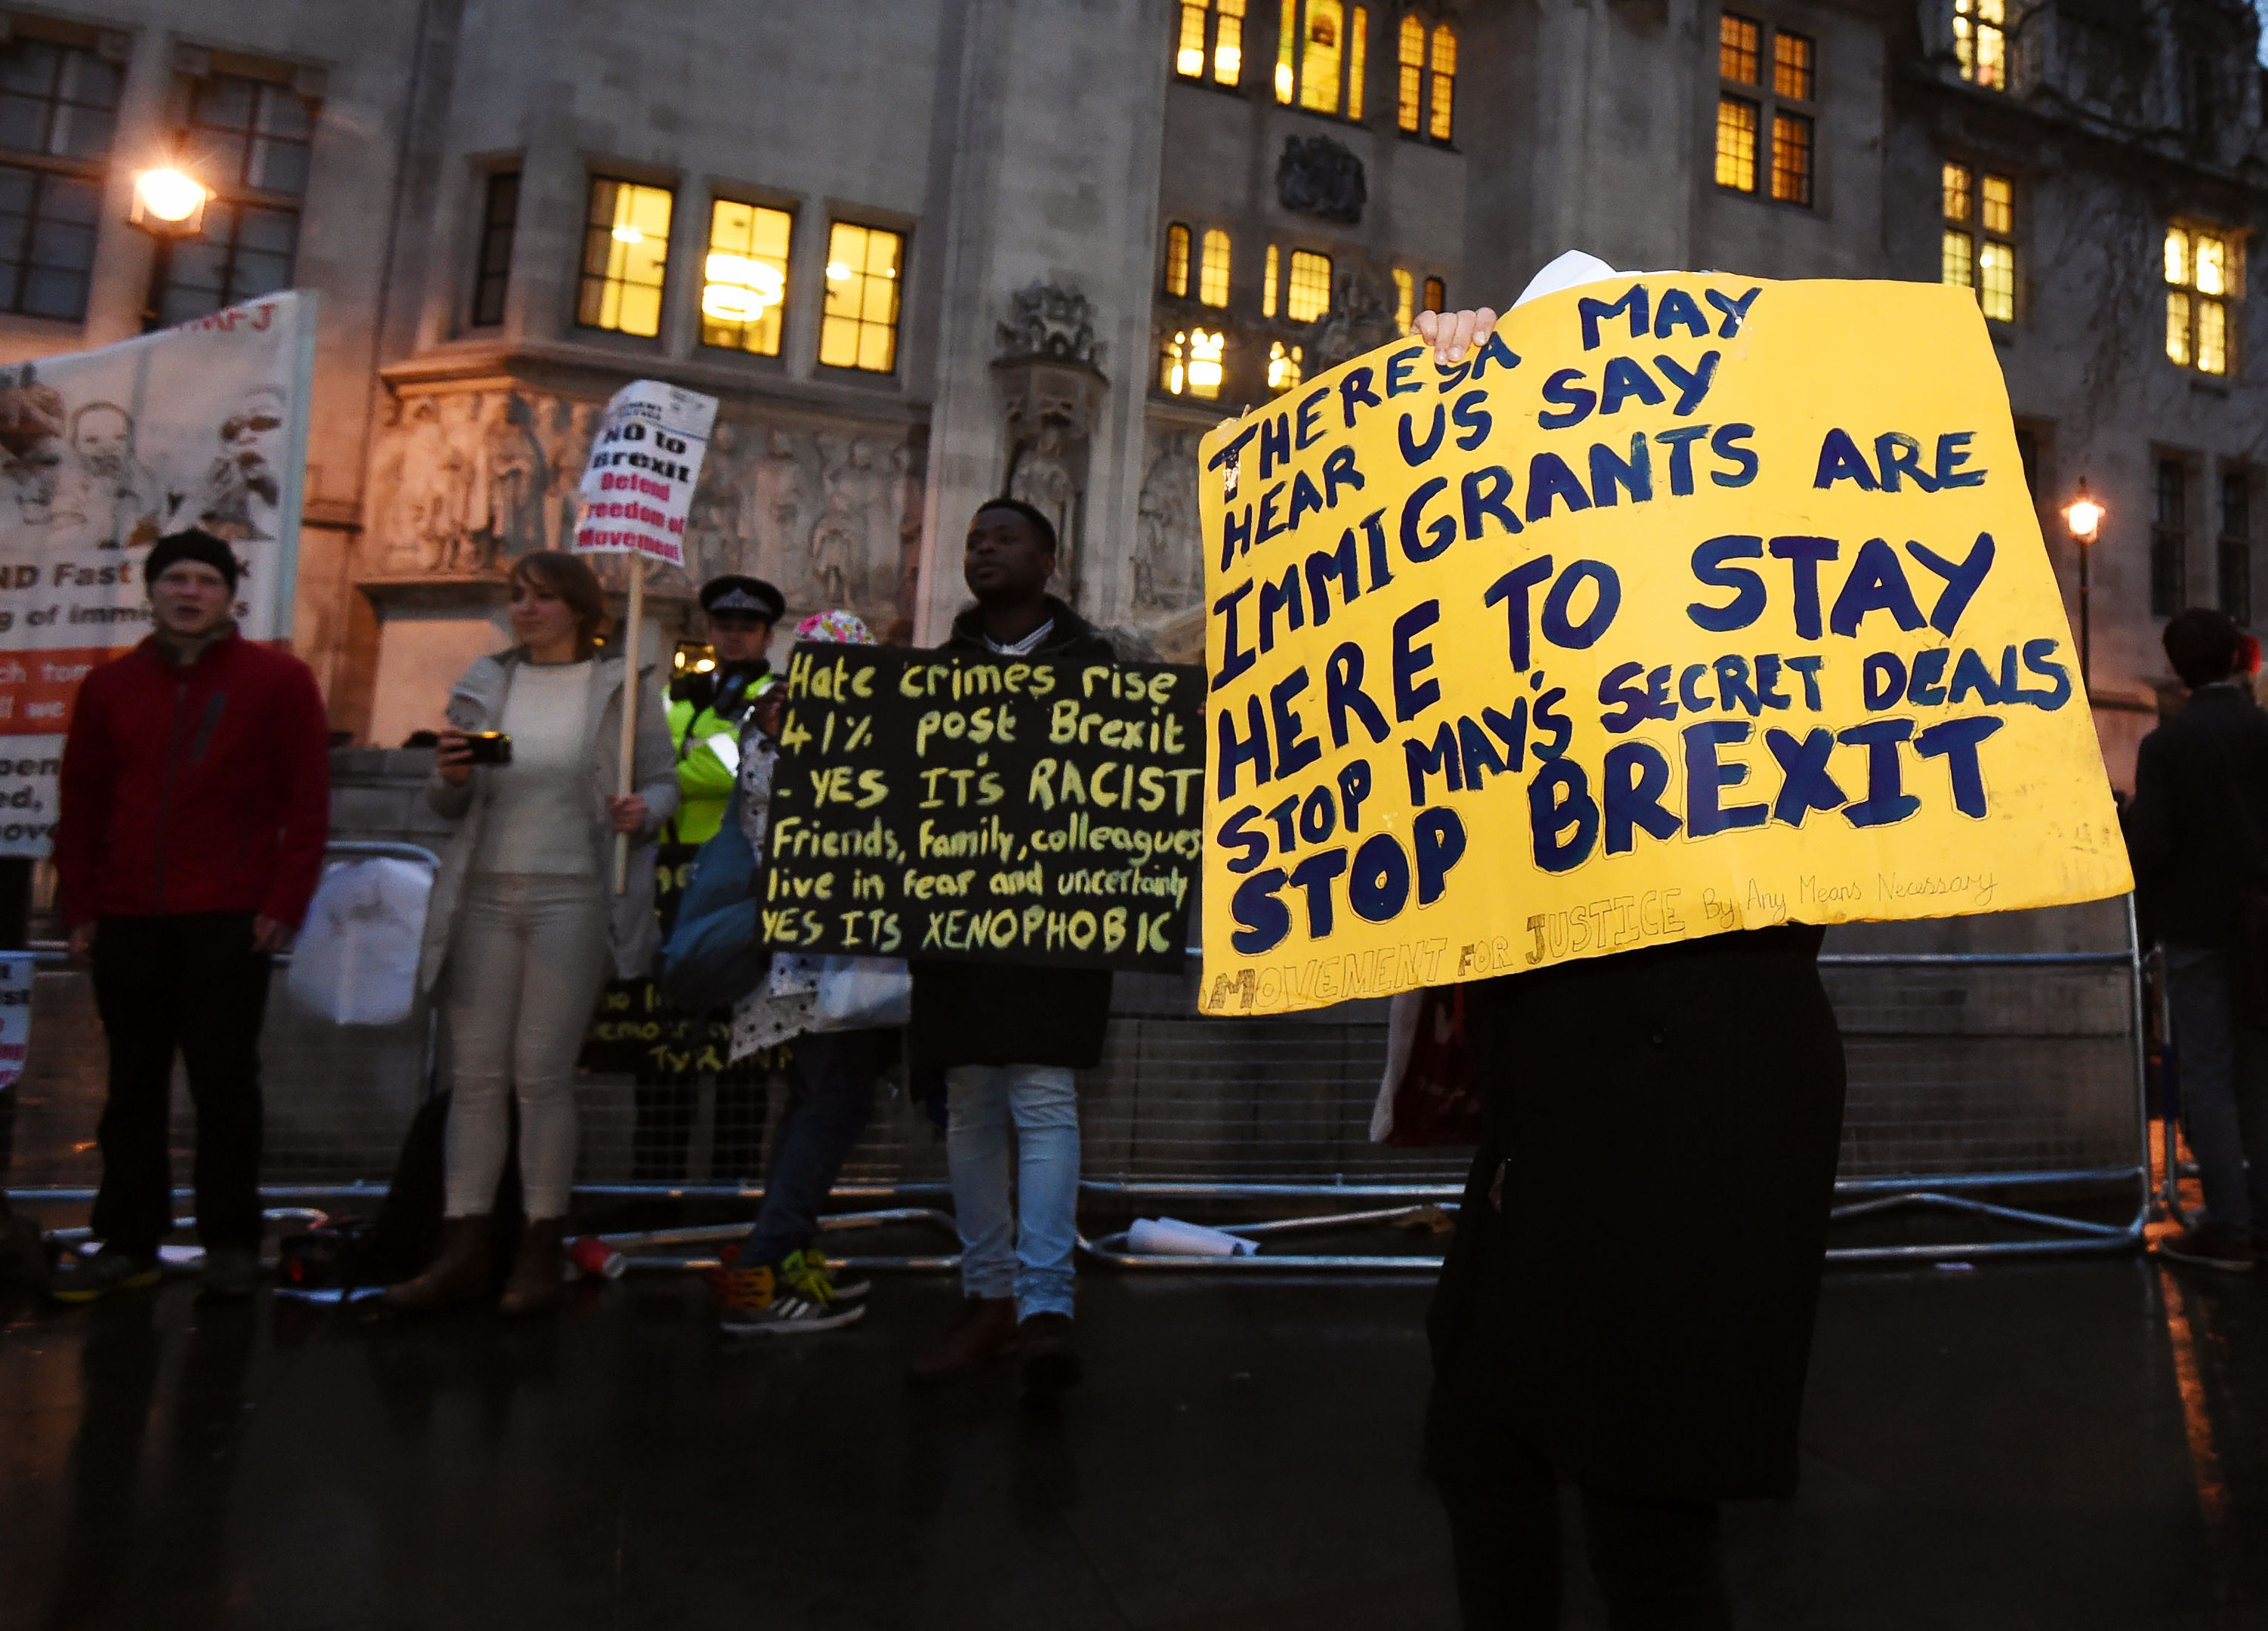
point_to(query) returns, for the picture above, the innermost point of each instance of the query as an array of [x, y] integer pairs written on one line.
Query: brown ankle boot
[[539, 1273], [457, 1278], [987, 1330]]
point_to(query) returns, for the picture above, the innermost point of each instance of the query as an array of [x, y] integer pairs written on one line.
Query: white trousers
[[529, 956]]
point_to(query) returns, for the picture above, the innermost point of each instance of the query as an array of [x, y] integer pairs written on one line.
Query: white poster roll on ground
[[1172, 1238]]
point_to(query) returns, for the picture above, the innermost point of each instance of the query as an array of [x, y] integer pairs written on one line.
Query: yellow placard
[[1688, 603]]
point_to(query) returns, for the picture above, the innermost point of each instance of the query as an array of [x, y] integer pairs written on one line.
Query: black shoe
[[2211, 1245], [1051, 1362]]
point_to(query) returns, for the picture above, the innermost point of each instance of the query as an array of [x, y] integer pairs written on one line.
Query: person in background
[[1651, 1351], [196, 803], [524, 922], [776, 1283], [707, 713], [2196, 830], [1009, 1038]]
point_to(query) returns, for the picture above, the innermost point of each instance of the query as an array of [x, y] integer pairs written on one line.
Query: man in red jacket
[[196, 803]]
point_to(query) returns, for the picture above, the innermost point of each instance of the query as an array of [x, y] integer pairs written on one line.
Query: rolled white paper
[[1172, 1238]]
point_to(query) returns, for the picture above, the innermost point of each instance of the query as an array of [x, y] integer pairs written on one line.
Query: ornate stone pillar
[[1052, 384]]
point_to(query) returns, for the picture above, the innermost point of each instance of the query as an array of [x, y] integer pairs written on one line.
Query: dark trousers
[[830, 1094], [191, 983], [1659, 1564]]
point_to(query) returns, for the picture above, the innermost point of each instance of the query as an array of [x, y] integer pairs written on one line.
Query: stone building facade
[[927, 251]]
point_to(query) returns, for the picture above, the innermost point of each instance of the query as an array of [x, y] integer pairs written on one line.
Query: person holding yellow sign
[[1594, 660], [1646, 1338]]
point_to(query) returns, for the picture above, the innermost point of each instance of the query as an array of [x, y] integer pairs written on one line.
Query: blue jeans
[[1042, 1100], [2224, 1078], [830, 1093]]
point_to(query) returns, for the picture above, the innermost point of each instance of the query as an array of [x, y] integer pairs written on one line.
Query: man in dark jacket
[[2195, 831], [1009, 1038], [196, 803]]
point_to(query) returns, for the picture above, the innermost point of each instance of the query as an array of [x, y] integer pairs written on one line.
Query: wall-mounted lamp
[[168, 204]]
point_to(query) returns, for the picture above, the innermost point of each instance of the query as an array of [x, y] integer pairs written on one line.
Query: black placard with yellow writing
[[941, 804]]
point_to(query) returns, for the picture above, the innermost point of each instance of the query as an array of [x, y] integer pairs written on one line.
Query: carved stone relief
[[466, 482], [1168, 575], [1049, 372], [1320, 177], [1361, 319]]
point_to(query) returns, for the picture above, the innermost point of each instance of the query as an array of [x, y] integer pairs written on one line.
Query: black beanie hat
[[192, 546]]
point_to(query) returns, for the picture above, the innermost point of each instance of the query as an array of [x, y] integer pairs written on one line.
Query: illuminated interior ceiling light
[[836, 271], [740, 290], [628, 234]]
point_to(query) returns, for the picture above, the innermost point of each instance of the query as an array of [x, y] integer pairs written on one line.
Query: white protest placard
[[101, 452], [16, 970], [645, 461]]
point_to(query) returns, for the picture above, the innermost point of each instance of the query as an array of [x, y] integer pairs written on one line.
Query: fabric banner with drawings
[[105, 451]]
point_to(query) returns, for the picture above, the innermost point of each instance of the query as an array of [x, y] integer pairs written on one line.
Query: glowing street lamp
[[168, 204], [2084, 517]]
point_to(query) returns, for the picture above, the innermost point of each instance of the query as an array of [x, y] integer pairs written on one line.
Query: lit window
[[1189, 53], [1358, 59], [1442, 88], [2201, 275], [1791, 74], [1228, 43], [1998, 213], [1224, 21], [744, 281], [492, 272], [1310, 292], [1738, 40], [1212, 273], [1959, 260], [1736, 144], [1980, 42], [1205, 353], [1321, 55], [1791, 178], [1319, 51], [625, 257], [1980, 220], [1436, 298], [1190, 364], [1282, 366], [1955, 185], [2169, 538], [1267, 285], [860, 327], [250, 141], [1784, 172], [1405, 298], [1996, 280], [1409, 57], [1177, 261]]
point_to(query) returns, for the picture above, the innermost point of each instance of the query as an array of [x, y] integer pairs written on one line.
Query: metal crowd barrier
[[1954, 1108], [1989, 1087]]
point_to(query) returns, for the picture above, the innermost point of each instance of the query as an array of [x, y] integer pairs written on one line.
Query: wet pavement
[[2068, 1446]]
